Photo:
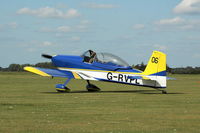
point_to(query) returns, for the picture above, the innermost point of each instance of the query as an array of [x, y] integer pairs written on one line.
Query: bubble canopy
[[108, 58]]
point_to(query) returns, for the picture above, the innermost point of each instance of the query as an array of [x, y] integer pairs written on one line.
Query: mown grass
[[29, 103]]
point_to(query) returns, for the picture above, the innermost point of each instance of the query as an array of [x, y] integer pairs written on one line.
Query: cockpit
[[103, 58]]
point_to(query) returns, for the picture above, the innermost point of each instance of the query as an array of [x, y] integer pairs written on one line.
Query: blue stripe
[[162, 73], [134, 77]]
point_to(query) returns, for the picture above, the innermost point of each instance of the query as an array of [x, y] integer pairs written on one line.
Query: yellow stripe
[[143, 77], [76, 76], [34, 70]]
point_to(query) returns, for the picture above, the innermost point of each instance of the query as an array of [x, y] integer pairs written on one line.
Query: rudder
[[156, 64]]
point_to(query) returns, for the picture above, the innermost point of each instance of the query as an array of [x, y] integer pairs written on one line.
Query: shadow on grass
[[121, 91]]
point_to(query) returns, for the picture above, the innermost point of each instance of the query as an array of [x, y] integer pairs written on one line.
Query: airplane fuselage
[[105, 67]]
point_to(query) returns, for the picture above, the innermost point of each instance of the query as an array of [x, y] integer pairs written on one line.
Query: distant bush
[[181, 70], [186, 70], [19, 68]]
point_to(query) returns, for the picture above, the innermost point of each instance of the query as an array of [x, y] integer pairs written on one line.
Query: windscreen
[[111, 59]]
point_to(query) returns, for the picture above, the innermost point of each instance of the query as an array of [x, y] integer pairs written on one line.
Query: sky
[[131, 29]]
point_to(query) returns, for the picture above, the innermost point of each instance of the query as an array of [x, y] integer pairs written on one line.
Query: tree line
[[19, 67], [142, 66], [178, 70]]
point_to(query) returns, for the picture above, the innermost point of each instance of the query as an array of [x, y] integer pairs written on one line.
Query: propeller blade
[[46, 56]]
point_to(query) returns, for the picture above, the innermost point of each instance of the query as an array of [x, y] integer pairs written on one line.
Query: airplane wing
[[50, 72]]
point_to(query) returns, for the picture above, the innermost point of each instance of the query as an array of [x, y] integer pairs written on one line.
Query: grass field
[[30, 103]]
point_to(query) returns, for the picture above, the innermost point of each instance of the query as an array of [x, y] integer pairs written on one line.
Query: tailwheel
[[164, 92], [92, 88], [62, 88]]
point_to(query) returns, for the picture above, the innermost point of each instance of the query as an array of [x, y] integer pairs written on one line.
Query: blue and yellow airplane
[[105, 67]]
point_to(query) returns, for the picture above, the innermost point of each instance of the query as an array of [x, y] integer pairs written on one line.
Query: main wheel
[[92, 88], [164, 92]]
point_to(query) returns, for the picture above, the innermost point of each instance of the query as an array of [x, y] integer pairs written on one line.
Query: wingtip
[[26, 68], [36, 71]]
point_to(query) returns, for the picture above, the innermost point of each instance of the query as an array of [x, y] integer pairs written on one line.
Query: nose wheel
[[62, 88], [92, 88], [66, 90]]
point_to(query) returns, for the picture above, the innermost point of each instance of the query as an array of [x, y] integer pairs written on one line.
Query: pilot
[[92, 56]]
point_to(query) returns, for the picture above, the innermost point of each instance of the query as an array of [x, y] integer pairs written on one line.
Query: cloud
[[186, 27], [48, 12], [1, 27], [75, 38], [84, 22], [81, 27], [104, 6], [61, 5], [188, 7], [31, 50], [160, 47], [179, 23], [194, 37], [47, 43], [196, 55], [46, 29], [138, 26], [171, 21], [8, 26], [63, 29], [13, 25], [126, 37]]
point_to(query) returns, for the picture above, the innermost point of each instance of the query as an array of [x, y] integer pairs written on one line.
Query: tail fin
[[156, 68], [156, 65]]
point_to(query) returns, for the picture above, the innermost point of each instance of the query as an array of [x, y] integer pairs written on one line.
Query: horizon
[[130, 30]]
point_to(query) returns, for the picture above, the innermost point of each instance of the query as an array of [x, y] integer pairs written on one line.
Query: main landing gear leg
[[92, 88], [62, 87]]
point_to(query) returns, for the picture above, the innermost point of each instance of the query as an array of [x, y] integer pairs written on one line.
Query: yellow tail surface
[[156, 64]]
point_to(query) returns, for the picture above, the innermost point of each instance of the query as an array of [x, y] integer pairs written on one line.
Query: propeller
[[46, 56]]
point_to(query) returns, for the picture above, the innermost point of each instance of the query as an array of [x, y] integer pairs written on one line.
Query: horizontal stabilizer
[[169, 78]]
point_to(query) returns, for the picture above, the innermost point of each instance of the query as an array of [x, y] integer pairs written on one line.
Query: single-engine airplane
[[105, 67]]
